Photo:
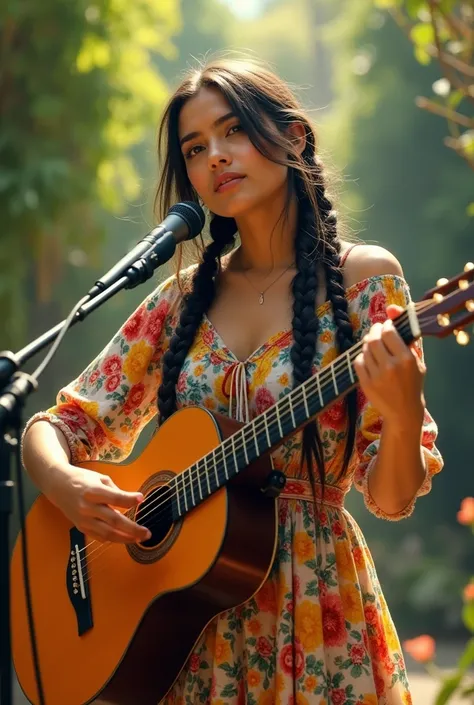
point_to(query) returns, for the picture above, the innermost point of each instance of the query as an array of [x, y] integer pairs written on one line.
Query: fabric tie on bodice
[[238, 393]]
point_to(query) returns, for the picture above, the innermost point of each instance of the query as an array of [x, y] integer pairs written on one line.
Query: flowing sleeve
[[372, 297], [102, 412]]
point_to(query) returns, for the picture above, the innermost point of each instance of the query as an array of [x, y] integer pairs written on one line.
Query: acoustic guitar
[[116, 623]]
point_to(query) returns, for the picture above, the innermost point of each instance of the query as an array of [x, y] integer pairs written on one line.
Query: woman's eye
[[192, 152], [234, 127]]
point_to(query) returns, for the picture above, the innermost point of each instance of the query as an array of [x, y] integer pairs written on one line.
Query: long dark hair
[[254, 92]]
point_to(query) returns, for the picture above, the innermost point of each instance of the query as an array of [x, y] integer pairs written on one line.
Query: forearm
[[46, 456], [399, 469]]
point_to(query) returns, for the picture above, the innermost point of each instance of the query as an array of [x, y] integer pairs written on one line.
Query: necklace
[[261, 297]]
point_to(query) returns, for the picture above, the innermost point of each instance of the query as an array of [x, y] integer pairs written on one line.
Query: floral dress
[[319, 630]]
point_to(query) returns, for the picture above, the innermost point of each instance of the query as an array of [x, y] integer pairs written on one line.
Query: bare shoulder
[[365, 261]]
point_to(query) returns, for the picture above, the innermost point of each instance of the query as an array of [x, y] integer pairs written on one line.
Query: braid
[[336, 295], [306, 326], [196, 303]]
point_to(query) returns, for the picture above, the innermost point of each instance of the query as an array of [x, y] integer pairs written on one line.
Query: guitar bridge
[[77, 581]]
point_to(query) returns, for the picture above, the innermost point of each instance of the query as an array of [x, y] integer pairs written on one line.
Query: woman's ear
[[297, 132]]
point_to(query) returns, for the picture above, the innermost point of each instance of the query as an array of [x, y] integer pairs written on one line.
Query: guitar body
[[148, 605]]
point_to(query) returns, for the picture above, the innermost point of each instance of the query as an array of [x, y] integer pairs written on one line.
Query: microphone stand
[[15, 386]]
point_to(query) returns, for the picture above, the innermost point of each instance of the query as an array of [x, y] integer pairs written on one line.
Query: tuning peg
[[463, 284], [443, 320], [443, 281], [469, 266], [470, 305], [462, 338], [438, 297]]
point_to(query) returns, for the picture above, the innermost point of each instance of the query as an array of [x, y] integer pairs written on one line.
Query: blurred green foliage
[[77, 91]]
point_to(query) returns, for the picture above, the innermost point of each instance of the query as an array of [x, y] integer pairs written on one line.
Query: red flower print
[[112, 365], [74, 417], [94, 377], [297, 586], [99, 436], [323, 518], [194, 663], [208, 337], [365, 639], [266, 598], [181, 386], [371, 615], [337, 528], [292, 660], [112, 382], [323, 588], [263, 399], [378, 645], [131, 329], [154, 322], [264, 647], [282, 512], [134, 398], [377, 308], [389, 667], [379, 683], [215, 359], [290, 607], [357, 653], [338, 696], [334, 627], [334, 416]]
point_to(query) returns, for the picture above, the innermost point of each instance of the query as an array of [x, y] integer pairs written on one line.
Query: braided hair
[[266, 109], [196, 303]]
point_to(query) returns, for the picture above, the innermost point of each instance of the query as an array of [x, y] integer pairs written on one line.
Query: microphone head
[[193, 216]]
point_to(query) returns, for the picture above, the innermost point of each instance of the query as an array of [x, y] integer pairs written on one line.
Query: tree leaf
[[468, 616], [422, 34]]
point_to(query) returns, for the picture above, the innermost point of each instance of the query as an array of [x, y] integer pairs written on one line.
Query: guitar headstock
[[449, 307]]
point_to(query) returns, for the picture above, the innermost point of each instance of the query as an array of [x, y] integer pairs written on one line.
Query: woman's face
[[216, 150]]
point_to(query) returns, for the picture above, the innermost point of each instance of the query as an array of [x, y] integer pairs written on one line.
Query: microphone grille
[[192, 214]]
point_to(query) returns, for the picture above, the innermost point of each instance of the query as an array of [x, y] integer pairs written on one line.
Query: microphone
[[184, 222]]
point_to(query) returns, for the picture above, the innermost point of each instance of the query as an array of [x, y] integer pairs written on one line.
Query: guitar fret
[[176, 480], [207, 475], [199, 481], [265, 423], [191, 484], [255, 439], [232, 443], [183, 475], [215, 468], [334, 379], [226, 472], [320, 393], [305, 401], [290, 403], [244, 444], [277, 409], [349, 364]]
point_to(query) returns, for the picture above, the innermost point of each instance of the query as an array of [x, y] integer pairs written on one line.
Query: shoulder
[[366, 261]]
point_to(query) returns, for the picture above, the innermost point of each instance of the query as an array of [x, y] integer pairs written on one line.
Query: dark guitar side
[[174, 622]]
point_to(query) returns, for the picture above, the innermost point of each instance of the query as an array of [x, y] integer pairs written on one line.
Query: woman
[[235, 334]]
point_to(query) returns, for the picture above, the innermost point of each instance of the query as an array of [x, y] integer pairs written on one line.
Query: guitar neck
[[270, 428]]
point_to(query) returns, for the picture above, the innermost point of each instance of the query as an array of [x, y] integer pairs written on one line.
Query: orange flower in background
[[421, 649], [137, 361], [304, 547], [254, 626], [309, 624], [221, 650], [253, 678], [310, 683], [468, 593], [466, 513]]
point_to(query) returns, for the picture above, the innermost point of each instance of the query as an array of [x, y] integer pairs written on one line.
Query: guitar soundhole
[[155, 513]]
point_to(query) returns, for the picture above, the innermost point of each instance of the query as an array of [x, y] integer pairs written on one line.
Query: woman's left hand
[[391, 375]]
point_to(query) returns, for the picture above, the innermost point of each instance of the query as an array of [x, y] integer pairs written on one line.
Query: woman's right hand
[[92, 502]]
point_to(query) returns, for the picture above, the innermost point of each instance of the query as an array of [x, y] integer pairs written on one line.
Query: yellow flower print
[[407, 699], [308, 624], [329, 357], [253, 678], [209, 403], [266, 698], [254, 626], [301, 700], [355, 321], [304, 547], [371, 418], [394, 295], [345, 565], [326, 337], [351, 603], [91, 408], [137, 360], [263, 369], [219, 391], [370, 700], [199, 370], [221, 650], [284, 380], [310, 683]]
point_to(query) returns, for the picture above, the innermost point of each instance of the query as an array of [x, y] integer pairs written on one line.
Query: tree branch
[[445, 112]]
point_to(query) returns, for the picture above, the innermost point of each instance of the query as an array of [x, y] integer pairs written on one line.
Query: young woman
[[234, 334]]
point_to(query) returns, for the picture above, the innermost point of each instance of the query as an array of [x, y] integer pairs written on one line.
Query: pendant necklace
[[261, 293]]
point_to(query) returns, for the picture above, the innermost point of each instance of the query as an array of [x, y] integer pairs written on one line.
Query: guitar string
[[237, 449]]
